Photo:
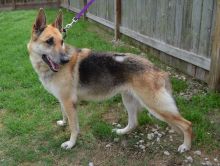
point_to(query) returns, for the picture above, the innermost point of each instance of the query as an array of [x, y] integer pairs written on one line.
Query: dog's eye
[[50, 41]]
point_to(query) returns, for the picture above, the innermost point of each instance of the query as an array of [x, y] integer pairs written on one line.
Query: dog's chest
[[51, 87]]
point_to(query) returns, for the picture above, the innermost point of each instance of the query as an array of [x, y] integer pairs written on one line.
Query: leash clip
[[68, 26]]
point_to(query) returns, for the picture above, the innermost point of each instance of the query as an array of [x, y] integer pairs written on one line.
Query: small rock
[[171, 131], [198, 152], [163, 133], [207, 163], [189, 159], [158, 127], [215, 160], [114, 124], [171, 138], [91, 164], [156, 132], [159, 135], [166, 153], [108, 145], [142, 147], [141, 134], [150, 136], [158, 139], [116, 139], [153, 129], [206, 159], [118, 126], [141, 141]]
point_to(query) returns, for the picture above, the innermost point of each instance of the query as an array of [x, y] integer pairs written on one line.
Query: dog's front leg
[[64, 120], [70, 110]]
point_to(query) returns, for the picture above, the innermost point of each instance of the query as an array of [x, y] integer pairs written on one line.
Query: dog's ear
[[59, 21], [40, 22]]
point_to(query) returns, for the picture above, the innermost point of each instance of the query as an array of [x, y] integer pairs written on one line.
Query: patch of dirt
[[111, 116], [128, 150]]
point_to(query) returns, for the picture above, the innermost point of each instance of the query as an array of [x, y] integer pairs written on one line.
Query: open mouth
[[53, 66]]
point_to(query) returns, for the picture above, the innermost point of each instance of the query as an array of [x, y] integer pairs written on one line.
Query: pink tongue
[[53, 65]]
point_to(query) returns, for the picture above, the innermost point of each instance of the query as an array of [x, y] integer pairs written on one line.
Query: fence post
[[214, 74], [14, 4], [117, 13], [84, 4], [58, 3]]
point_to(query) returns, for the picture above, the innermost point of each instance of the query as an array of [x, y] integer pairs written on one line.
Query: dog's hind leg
[[132, 106], [64, 121], [162, 105]]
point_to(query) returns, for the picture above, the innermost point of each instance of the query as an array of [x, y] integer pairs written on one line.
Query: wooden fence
[[26, 4], [182, 33]]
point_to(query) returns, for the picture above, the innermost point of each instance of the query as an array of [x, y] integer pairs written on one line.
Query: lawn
[[28, 114]]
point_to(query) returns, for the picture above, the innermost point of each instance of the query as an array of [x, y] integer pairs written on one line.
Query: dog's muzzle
[[53, 66]]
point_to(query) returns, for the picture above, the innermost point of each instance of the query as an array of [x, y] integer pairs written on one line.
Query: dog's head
[[47, 41]]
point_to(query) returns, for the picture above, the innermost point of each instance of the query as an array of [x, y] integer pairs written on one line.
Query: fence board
[[170, 28], [196, 18], [178, 23], [205, 32], [186, 35]]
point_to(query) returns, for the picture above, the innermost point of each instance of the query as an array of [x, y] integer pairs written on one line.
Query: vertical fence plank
[[186, 36], [117, 8], [178, 23], [214, 75], [205, 31], [196, 19], [171, 11]]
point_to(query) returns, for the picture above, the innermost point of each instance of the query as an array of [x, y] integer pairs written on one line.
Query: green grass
[[28, 114], [178, 85]]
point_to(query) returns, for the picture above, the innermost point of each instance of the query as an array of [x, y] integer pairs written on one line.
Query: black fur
[[103, 72]]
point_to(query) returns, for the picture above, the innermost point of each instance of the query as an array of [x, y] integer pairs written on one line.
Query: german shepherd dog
[[72, 74]]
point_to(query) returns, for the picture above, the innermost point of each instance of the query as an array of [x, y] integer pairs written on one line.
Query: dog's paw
[[61, 123], [183, 148], [67, 145]]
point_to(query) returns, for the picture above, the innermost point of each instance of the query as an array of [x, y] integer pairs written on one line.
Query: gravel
[[189, 159], [198, 152], [166, 153]]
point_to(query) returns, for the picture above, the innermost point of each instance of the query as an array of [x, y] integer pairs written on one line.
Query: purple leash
[[75, 19]]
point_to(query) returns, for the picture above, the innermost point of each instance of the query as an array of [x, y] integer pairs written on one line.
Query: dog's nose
[[64, 59]]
